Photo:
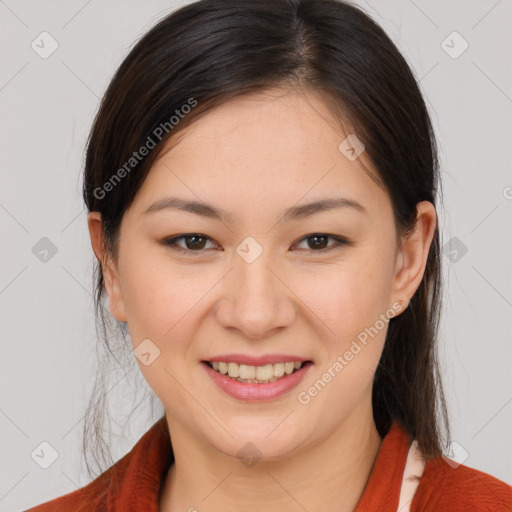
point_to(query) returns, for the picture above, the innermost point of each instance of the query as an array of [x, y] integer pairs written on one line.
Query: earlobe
[[412, 259], [113, 289], [110, 274]]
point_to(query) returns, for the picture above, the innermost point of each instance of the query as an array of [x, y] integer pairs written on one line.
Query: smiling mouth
[[256, 374]]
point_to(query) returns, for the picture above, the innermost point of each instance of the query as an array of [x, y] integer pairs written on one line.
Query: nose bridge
[[255, 280], [257, 301]]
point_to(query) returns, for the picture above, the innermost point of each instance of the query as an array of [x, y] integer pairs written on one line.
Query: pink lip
[[253, 392], [257, 361]]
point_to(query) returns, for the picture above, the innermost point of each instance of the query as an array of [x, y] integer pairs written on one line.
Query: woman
[[261, 183]]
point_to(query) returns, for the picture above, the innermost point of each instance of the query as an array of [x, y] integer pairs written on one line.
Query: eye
[[317, 242], [194, 242]]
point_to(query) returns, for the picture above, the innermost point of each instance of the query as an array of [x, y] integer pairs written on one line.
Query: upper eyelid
[[186, 235]]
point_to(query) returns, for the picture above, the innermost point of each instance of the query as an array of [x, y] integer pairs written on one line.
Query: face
[[266, 281]]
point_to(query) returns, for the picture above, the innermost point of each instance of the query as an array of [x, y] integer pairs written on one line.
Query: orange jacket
[[134, 482]]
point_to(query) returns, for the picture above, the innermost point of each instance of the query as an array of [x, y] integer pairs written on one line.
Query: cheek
[[153, 299], [164, 302], [160, 307], [146, 299], [352, 304], [346, 298]]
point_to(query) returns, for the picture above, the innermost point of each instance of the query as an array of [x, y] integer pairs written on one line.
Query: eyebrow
[[292, 213]]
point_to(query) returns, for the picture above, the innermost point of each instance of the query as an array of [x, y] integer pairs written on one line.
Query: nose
[[256, 300]]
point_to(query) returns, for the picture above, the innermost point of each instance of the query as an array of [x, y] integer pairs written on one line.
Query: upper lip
[[257, 360]]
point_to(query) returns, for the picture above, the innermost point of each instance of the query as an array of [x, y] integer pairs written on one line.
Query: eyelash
[[172, 242]]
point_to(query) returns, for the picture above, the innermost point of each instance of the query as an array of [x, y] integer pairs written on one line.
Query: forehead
[[262, 149], [272, 124]]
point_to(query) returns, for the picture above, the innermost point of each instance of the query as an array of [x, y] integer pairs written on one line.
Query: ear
[[412, 258], [110, 273]]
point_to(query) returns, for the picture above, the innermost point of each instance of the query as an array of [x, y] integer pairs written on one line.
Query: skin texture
[[254, 157]]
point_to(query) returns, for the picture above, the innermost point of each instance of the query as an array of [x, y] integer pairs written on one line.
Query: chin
[[257, 439]]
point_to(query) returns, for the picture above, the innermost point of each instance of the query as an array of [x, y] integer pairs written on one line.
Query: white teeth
[[256, 374], [246, 371], [264, 372], [233, 370], [278, 369]]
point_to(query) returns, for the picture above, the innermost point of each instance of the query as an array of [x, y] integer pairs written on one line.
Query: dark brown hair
[[211, 51]]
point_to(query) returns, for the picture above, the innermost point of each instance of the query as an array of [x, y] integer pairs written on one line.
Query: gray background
[[47, 106]]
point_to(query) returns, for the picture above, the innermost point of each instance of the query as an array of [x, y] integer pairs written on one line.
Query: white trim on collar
[[413, 471]]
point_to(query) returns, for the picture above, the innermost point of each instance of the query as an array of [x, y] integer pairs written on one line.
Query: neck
[[331, 475]]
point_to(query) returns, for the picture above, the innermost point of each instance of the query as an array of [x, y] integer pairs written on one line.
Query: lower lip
[[252, 392]]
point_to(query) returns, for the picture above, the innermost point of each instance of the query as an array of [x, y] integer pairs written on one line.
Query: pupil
[[317, 237], [194, 239]]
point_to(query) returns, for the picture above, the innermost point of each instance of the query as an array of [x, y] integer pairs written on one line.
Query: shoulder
[[95, 495], [141, 468], [91, 497], [453, 488]]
